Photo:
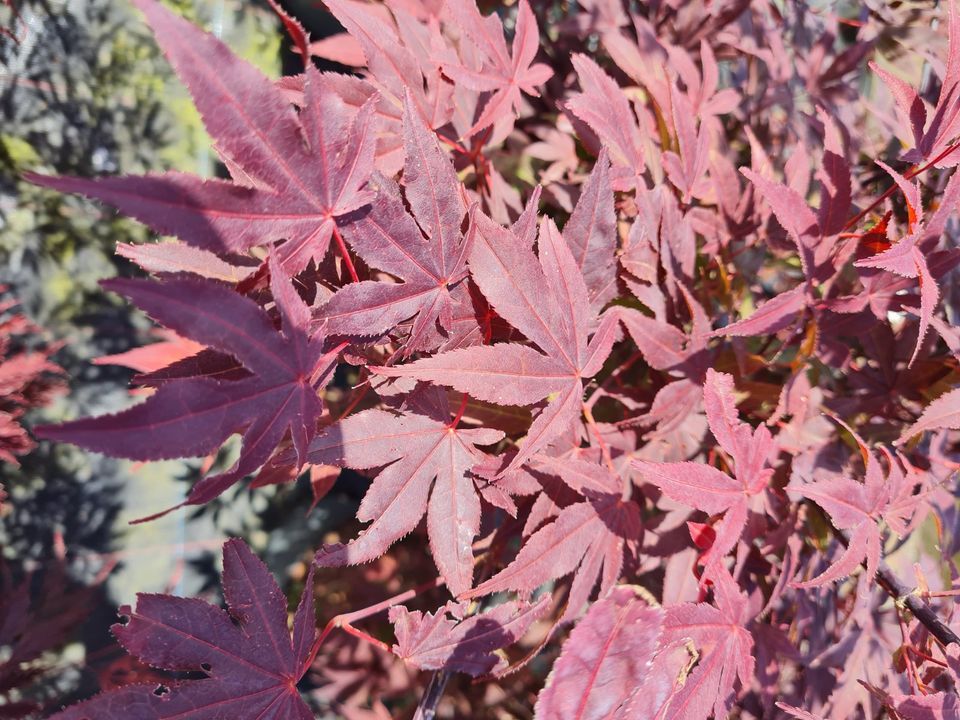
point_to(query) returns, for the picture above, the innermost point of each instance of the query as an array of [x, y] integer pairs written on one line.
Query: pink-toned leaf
[[591, 233], [835, 183], [944, 412], [558, 548], [445, 640], [606, 658], [773, 316], [694, 484], [177, 257], [793, 214], [602, 105], [427, 473], [725, 649], [342, 48], [663, 346]]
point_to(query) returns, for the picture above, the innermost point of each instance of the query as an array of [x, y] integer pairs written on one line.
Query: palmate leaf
[[860, 510], [547, 300], [725, 648], [251, 662], [606, 659], [504, 73], [944, 412], [588, 539], [447, 640], [907, 259], [190, 416], [701, 486], [605, 108], [293, 177], [933, 138], [591, 234], [398, 63], [427, 472], [425, 249]]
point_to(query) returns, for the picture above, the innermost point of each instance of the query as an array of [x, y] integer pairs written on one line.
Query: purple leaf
[[194, 416], [292, 177], [251, 664]]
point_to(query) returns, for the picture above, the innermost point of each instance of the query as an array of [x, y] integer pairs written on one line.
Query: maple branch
[[921, 611], [344, 621], [427, 708], [342, 247], [902, 596]]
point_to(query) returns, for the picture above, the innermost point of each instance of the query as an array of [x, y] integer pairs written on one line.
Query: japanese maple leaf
[[251, 662], [591, 233], [687, 169], [607, 658], [425, 249], [725, 648], [190, 416], [503, 73], [932, 139], [944, 412], [427, 461], [857, 509], [906, 259], [587, 538], [702, 486], [603, 106], [293, 175], [399, 63], [451, 640], [547, 300], [813, 234]]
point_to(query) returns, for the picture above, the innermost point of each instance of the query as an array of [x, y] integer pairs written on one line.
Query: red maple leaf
[[588, 538], [702, 486], [607, 659], [547, 300], [428, 461], [451, 640], [503, 73], [424, 248]]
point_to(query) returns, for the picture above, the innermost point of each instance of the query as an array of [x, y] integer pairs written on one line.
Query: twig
[[921, 611], [427, 709], [906, 598], [344, 621]]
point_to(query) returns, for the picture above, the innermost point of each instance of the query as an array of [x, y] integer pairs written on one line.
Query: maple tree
[[674, 423]]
